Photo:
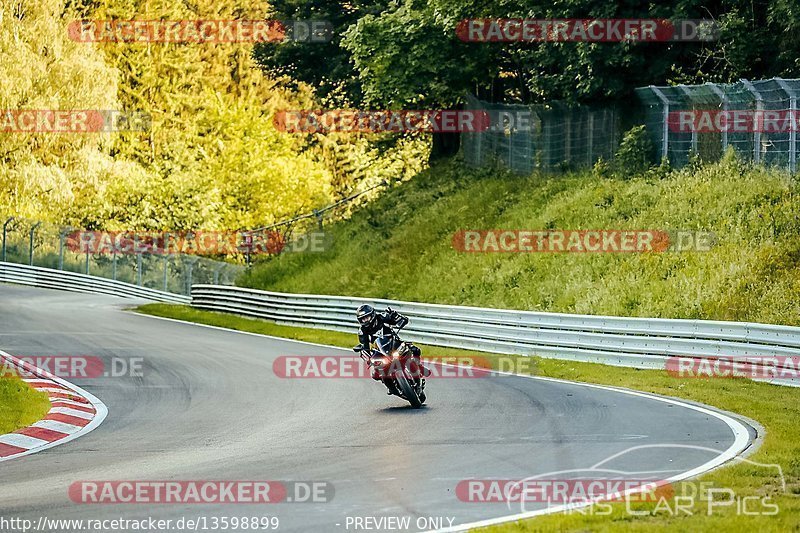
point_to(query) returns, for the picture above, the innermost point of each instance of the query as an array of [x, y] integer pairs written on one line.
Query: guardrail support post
[[139, 269], [114, 263], [5, 229], [86, 270]]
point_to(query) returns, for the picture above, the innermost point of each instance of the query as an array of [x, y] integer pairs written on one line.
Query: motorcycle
[[392, 361]]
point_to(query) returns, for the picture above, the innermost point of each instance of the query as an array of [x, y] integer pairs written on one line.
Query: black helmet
[[365, 314]]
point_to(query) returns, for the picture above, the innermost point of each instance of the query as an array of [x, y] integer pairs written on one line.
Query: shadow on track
[[404, 409]]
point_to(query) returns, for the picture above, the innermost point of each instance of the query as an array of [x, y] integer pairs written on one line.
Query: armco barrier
[[71, 281], [635, 342]]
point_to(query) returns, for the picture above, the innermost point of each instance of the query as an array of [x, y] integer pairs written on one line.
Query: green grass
[[265, 327], [776, 408], [399, 246], [20, 405]]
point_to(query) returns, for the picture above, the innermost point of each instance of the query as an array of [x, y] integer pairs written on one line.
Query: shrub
[[634, 154]]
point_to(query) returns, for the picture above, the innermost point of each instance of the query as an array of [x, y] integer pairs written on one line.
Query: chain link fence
[[177, 259], [305, 233], [47, 245], [757, 119], [547, 138]]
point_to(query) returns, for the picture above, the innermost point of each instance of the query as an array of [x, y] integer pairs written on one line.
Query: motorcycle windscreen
[[384, 344]]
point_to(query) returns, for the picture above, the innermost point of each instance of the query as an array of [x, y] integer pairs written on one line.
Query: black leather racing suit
[[382, 325]]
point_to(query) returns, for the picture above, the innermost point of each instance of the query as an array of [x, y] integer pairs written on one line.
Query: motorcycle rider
[[374, 324]]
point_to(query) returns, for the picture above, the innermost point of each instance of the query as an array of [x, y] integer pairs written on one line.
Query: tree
[[326, 66]]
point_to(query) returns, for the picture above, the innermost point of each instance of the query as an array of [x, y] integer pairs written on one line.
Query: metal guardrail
[[636, 342], [71, 281], [621, 341]]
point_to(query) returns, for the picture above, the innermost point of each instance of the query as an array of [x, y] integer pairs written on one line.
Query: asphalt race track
[[208, 407]]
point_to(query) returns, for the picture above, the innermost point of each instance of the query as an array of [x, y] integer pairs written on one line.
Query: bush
[[634, 155]]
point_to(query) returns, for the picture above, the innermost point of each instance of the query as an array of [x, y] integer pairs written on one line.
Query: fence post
[[30, 244], [5, 229], [758, 121], [664, 121], [139, 269], [61, 235], [792, 130], [189, 275], [685, 90], [114, 263], [724, 101], [510, 141], [166, 269], [590, 140]]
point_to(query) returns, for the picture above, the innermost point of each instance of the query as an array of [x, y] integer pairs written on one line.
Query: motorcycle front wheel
[[408, 391]]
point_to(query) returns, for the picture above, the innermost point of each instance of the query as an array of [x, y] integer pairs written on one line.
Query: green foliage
[[634, 154], [406, 58], [213, 158], [324, 66], [602, 169], [400, 246], [407, 53]]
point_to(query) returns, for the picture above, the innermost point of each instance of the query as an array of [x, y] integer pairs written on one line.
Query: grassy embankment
[[400, 246]]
